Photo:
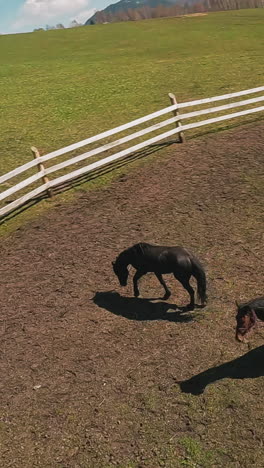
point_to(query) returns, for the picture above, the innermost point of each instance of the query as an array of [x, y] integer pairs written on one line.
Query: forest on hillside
[[146, 12]]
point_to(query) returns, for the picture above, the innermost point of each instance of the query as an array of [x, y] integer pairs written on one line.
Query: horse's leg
[[136, 277], [184, 280], [167, 291]]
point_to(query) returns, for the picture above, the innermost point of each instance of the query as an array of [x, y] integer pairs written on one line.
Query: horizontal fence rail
[[179, 128]]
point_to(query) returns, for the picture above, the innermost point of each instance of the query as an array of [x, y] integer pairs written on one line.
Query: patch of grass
[[196, 456], [60, 87]]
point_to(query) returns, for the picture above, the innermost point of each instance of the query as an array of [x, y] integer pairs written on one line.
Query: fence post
[[41, 167], [176, 112]]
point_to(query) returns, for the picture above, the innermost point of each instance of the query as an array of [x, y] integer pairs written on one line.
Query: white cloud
[[41, 11], [84, 15]]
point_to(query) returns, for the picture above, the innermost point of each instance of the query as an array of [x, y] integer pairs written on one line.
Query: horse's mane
[[140, 248], [136, 249]]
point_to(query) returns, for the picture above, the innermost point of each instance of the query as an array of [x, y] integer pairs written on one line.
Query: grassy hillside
[[58, 87]]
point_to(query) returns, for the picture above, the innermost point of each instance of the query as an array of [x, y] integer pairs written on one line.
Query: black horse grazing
[[159, 260], [247, 317]]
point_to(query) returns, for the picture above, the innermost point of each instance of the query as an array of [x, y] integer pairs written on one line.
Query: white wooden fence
[[38, 161]]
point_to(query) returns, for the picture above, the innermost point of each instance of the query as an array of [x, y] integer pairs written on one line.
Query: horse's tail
[[199, 273]]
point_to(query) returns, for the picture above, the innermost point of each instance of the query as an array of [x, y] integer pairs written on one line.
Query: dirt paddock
[[92, 377]]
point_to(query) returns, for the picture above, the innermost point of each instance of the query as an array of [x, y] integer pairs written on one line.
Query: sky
[[25, 15]]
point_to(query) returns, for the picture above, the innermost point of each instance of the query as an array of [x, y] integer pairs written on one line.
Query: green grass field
[[59, 87]]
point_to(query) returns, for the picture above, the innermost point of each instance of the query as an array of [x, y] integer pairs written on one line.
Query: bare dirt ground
[[90, 377]]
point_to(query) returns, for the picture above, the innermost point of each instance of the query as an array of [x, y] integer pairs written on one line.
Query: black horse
[[160, 260], [248, 316]]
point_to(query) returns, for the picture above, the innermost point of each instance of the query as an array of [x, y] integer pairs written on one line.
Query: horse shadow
[[133, 308], [248, 366]]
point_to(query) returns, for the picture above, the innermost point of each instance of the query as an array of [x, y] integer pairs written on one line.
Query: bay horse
[[160, 260], [248, 315]]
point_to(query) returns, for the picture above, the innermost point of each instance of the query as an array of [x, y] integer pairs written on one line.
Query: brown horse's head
[[246, 320]]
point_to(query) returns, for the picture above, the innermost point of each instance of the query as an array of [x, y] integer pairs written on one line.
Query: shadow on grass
[[134, 308], [93, 175], [224, 127], [248, 366], [108, 168], [21, 209]]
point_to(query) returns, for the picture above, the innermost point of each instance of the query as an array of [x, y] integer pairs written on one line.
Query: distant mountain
[[124, 5], [133, 10]]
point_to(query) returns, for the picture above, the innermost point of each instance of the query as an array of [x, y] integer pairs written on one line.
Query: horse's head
[[121, 272], [246, 320]]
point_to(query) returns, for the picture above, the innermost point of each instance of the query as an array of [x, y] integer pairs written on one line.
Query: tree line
[[202, 6], [73, 24], [146, 12]]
